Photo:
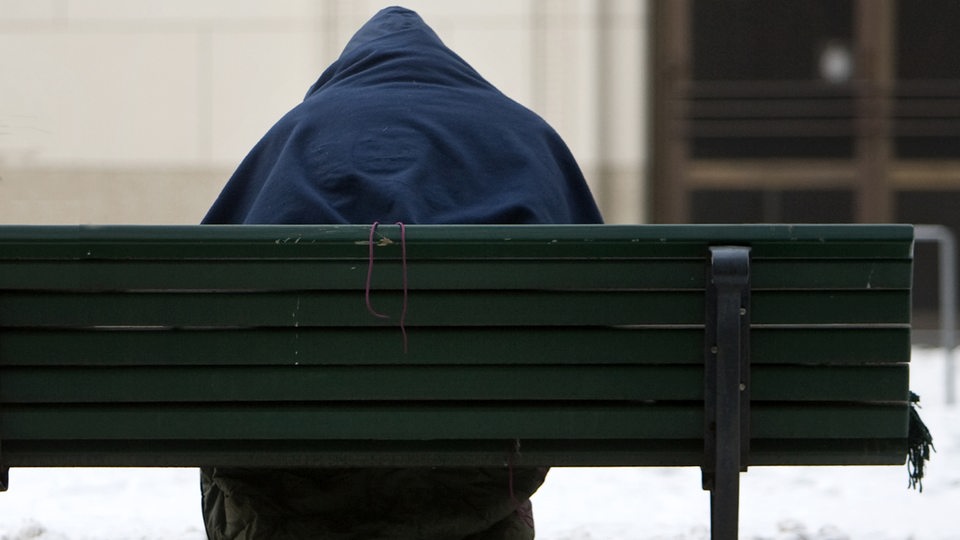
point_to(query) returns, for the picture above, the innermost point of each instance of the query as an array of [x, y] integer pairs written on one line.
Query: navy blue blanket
[[400, 128]]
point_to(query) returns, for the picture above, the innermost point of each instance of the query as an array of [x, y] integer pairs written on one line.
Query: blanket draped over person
[[398, 129]]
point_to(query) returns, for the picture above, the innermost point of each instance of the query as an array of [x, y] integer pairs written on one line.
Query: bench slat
[[497, 453], [403, 421], [347, 308], [438, 308], [304, 275], [428, 383], [452, 241], [812, 307], [466, 346]]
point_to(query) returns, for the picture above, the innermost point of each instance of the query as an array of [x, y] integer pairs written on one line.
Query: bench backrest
[[550, 345]]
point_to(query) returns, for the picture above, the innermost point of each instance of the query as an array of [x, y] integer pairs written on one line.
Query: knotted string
[[375, 313], [403, 262]]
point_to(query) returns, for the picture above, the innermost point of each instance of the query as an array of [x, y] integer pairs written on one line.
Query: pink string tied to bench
[[403, 263]]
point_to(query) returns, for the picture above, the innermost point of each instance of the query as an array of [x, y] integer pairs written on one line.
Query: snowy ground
[[829, 503]]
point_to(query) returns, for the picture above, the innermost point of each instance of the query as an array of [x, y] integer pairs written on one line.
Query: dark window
[[752, 40], [772, 78], [926, 121]]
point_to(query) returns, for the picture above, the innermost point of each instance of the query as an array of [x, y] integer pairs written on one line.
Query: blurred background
[[137, 111]]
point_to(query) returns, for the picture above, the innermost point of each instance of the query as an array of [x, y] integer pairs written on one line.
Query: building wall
[[137, 111]]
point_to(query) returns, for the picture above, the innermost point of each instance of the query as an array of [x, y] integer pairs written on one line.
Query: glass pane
[[926, 120], [772, 78]]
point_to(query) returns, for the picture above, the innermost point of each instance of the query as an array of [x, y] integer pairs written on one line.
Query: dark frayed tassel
[[920, 442]]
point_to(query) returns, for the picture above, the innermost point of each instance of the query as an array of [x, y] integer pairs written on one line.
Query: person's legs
[[369, 504], [516, 526]]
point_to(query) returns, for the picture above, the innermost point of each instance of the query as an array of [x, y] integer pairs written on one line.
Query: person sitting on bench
[[399, 129]]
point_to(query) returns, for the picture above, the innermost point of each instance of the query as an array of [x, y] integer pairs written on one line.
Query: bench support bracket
[[727, 385]]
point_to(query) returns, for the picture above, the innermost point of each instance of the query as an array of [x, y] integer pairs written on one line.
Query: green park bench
[[720, 347]]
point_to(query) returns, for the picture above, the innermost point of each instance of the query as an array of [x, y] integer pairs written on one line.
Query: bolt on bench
[[713, 346]]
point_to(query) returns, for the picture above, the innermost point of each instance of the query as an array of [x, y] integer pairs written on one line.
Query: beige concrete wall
[[136, 111]]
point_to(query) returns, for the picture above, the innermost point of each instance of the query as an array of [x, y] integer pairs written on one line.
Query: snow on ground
[[789, 503]]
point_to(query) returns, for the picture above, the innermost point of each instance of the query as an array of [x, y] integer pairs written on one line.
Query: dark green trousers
[[369, 504]]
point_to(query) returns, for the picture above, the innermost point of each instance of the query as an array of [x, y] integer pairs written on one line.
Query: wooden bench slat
[[308, 275], [785, 452], [342, 383], [466, 346], [347, 308], [30, 251], [365, 453], [305, 275], [812, 307], [403, 421], [376, 421], [827, 274], [439, 308], [186, 242], [437, 383], [593, 453], [829, 421], [828, 346]]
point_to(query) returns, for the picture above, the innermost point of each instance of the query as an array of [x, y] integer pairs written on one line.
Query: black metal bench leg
[[727, 386]]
